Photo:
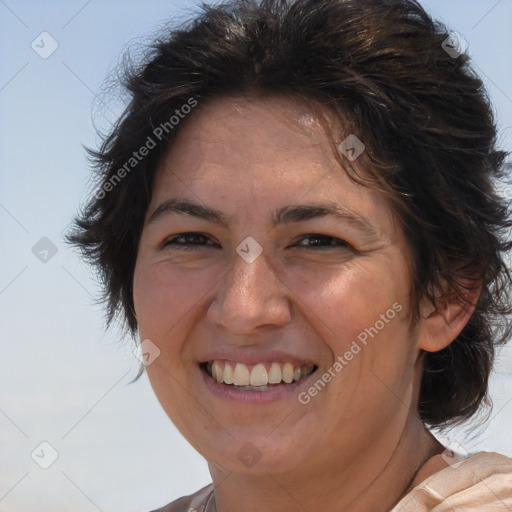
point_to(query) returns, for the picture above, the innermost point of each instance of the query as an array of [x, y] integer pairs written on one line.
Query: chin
[[256, 455]]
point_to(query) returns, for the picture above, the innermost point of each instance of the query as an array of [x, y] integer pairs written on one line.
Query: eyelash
[[190, 246]]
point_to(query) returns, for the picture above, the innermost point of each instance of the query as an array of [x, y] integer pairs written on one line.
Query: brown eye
[[186, 241], [323, 241]]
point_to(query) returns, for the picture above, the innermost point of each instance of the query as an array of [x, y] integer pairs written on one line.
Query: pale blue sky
[[62, 378]]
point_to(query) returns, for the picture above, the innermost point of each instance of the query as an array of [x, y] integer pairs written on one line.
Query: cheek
[[163, 297], [345, 305], [155, 301], [361, 316]]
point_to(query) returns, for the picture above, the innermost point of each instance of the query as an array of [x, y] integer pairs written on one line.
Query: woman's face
[[268, 289]]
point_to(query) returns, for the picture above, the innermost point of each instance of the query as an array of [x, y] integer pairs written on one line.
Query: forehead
[[264, 131]]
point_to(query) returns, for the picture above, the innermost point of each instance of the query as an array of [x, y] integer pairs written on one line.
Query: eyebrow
[[284, 215]]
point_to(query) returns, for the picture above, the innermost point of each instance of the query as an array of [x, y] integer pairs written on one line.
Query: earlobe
[[441, 323]]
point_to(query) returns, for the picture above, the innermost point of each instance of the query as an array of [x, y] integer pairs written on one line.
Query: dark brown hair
[[421, 111]]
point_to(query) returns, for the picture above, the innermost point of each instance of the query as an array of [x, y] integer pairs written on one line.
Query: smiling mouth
[[257, 377]]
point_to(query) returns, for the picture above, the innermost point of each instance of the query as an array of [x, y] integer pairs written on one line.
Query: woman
[[297, 217]]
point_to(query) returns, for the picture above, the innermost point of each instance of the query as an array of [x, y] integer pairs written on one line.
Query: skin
[[358, 443]]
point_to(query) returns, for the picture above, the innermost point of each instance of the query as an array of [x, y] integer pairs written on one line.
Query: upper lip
[[254, 356]]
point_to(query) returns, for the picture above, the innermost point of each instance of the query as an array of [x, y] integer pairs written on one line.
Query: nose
[[249, 298]]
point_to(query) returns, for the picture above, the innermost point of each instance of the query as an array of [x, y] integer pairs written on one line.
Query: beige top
[[480, 483]]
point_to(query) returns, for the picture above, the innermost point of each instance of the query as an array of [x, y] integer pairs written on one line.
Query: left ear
[[439, 325]]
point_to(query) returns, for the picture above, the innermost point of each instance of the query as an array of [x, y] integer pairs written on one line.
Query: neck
[[374, 480]]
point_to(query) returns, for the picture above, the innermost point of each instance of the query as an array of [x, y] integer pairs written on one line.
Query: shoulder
[[193, 503], [482, 482]]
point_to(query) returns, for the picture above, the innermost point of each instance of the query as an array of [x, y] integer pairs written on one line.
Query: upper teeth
[[260, 374]]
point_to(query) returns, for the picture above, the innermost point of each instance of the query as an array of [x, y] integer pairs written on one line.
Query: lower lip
[[230, 393]]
